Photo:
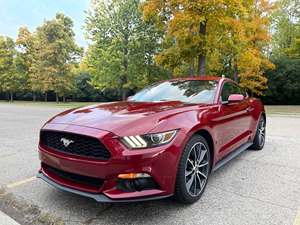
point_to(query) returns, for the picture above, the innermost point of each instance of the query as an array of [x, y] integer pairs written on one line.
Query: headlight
[[149, 140]]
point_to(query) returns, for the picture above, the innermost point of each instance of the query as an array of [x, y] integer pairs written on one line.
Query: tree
[[294, 52], [26, 56], [218, 35], [284, 83], [286, 26], [9, 78], [253, 60], [193, 29], [123, 46], [56, 56]]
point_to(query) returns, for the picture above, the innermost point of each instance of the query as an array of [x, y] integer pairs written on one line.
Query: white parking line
[[6, 220], [18, 183], [297, 219]]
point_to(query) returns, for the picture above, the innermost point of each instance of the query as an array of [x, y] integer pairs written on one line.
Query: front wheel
[[193, 170], [260, 136]]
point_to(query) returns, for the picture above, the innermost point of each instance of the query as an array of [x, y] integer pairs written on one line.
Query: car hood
[[122, 118]]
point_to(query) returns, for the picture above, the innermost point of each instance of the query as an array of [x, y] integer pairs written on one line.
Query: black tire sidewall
[[181, 192]]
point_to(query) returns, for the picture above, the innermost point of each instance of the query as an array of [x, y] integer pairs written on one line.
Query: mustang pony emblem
[[66, 142]]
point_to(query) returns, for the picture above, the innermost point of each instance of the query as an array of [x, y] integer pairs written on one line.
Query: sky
[[32, 13]]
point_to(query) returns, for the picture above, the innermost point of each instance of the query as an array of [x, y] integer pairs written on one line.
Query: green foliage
[[26, 53], [286, 25], [46, 59], [9, 78], [56, 56], [84, 90], [123, 46], [181, 36], [284, 82]]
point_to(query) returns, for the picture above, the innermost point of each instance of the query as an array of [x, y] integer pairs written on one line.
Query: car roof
[[208, 78], [212, 78]]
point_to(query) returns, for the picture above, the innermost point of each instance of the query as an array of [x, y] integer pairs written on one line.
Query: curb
[[22, 211]]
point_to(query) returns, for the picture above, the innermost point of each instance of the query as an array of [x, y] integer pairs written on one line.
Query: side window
[[229, 89], [226, 91], [239, 90], [244, 92]]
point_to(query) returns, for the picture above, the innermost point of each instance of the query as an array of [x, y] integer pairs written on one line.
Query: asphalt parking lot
[[257, 188]]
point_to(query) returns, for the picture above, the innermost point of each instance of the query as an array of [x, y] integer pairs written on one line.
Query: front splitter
[[97, 197]]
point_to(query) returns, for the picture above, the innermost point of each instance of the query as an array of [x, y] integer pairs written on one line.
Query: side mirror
[[235, 98]]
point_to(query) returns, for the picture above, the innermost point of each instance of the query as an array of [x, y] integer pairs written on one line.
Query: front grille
[[79, 145], [76, 178]]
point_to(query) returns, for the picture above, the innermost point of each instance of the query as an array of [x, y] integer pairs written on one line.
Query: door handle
[[250, 109]]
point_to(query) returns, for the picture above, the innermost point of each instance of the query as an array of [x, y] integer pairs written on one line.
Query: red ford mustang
[[163, 141]]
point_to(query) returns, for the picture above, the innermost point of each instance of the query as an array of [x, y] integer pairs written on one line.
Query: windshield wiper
[[166, 100]]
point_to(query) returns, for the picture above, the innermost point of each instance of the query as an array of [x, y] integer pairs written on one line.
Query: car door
[[234, 120]]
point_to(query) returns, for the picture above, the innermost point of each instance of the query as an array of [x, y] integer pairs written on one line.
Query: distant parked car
[[163, 141]]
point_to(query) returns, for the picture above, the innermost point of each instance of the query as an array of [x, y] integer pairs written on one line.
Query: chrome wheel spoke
[[191, 162], [188, 173], [261, 132], [203, 164], [195, 184], [202, 174], [200, 182], [195, 154], [190, 182], [202, 155]]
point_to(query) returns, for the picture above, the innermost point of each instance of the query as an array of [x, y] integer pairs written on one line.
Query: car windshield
[[187, 91]]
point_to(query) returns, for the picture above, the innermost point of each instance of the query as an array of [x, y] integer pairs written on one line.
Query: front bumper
[[160, 163]]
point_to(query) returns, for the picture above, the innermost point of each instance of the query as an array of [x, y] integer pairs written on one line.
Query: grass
[[270, 109], [50, 104], [283, 109]]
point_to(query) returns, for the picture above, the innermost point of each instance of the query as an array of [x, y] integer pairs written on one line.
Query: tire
[[260, 136], [192, 174]]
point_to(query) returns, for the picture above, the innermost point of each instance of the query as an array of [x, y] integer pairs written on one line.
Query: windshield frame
[[213, 99]]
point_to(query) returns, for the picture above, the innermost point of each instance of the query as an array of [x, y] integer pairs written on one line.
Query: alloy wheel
[[196, 169], [261, 132]]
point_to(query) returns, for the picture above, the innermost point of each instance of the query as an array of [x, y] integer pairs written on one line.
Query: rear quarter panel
[[257, 109]]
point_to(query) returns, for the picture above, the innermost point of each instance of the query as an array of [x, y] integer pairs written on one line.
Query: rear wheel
[[193, 170], [260, 136]]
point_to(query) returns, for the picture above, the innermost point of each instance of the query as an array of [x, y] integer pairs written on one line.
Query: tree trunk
[[11, 96], [235, 72], [34, 96], [125, 66], [201, 65], [202, 56], [56, 98], [124, 94], [64, 98], [191, 69], [46, 96]]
